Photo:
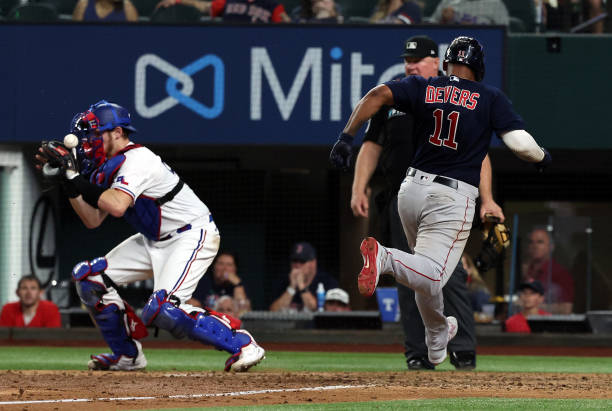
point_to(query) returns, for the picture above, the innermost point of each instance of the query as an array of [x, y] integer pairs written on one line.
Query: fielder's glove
[[342, 152], [58, 156], [496, 238], [542, 164]]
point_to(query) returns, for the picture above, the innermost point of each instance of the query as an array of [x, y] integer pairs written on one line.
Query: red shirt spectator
[[30, 310], [518, 322], [531, 295], [561, 281], [560, 286], [47, 315]]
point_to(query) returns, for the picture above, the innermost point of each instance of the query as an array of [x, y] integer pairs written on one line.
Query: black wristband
[[239, 285], [90, 192], [346, 137], [304, 290], [69, 189]]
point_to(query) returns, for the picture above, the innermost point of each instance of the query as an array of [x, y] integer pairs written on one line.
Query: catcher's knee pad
[[89, 291], [206, 328]]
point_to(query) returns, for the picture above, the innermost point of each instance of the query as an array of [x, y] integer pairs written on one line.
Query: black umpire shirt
[[393, 130]]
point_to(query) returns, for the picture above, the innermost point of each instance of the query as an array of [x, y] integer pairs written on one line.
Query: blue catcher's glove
[[342, 152], [542, 164]]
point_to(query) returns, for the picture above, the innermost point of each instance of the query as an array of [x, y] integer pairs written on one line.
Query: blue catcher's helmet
[[467, 51], [111, 115], [88, 126]]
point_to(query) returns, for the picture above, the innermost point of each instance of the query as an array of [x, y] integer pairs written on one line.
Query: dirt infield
[[99, 390], [102, 390]]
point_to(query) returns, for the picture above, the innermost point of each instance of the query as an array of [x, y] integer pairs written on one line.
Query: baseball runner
[[390, 142], [455, 117], [176, 241]]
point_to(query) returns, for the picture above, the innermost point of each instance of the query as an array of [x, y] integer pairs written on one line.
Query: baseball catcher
[[106, 173]]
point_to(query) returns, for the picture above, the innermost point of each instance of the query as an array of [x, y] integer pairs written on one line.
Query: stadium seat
[[523, 10], [6, 6], [36, 13], [176, 14], [352, 8], [145, 7], [61, 6], [357, 20]]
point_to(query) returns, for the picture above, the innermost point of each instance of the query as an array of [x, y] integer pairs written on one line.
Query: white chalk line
[[189, 396]]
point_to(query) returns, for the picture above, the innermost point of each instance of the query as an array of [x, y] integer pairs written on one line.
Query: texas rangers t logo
[[121, 180]]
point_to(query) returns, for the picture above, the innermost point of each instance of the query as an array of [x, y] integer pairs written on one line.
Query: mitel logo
[[319, 82], [312, 66], [179, 75]]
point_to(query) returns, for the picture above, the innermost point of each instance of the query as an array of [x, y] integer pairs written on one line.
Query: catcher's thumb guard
[[50, 172]]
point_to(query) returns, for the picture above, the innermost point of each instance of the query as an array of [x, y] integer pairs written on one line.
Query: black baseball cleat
[[463, 360], [419, 363]]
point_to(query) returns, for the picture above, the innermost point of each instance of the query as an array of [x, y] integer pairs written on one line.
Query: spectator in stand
[[594, 9], [298, 292], [561, 15], [226, 305], [531, 297], [542, 267], [492, 12], [240, 11], [317, 11], [30, 310], [477, 288], [223, 282], [396, 12], [336, 300], [105, 11]]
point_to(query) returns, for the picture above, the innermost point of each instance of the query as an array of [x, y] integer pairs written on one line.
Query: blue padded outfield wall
[[206, 84]]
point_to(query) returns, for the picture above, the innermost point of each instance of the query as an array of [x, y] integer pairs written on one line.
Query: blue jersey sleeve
[[406, 92], [503, 116]]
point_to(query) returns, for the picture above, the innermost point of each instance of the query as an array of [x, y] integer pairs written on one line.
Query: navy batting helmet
[[467, 51]]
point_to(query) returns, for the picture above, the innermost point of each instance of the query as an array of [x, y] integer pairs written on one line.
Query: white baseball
[[71, 141]]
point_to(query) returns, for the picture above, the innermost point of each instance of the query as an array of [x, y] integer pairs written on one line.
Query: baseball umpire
[[176, 241], [455, 117], [390, 142]]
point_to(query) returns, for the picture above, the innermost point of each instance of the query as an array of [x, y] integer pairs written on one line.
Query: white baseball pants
[[176, 265], [437, 220]]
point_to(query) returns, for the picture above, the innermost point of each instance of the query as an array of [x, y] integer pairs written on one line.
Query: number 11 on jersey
[[449, 141]]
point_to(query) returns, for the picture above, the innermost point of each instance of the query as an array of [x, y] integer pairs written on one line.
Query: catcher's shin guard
[[111, 323], [112, 319], [206, 328]]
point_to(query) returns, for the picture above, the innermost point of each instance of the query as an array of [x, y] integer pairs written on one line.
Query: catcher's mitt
[[55, 155], [496, 238]]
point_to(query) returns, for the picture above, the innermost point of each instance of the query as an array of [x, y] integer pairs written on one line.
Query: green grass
[[75, 358], [484, 404]]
